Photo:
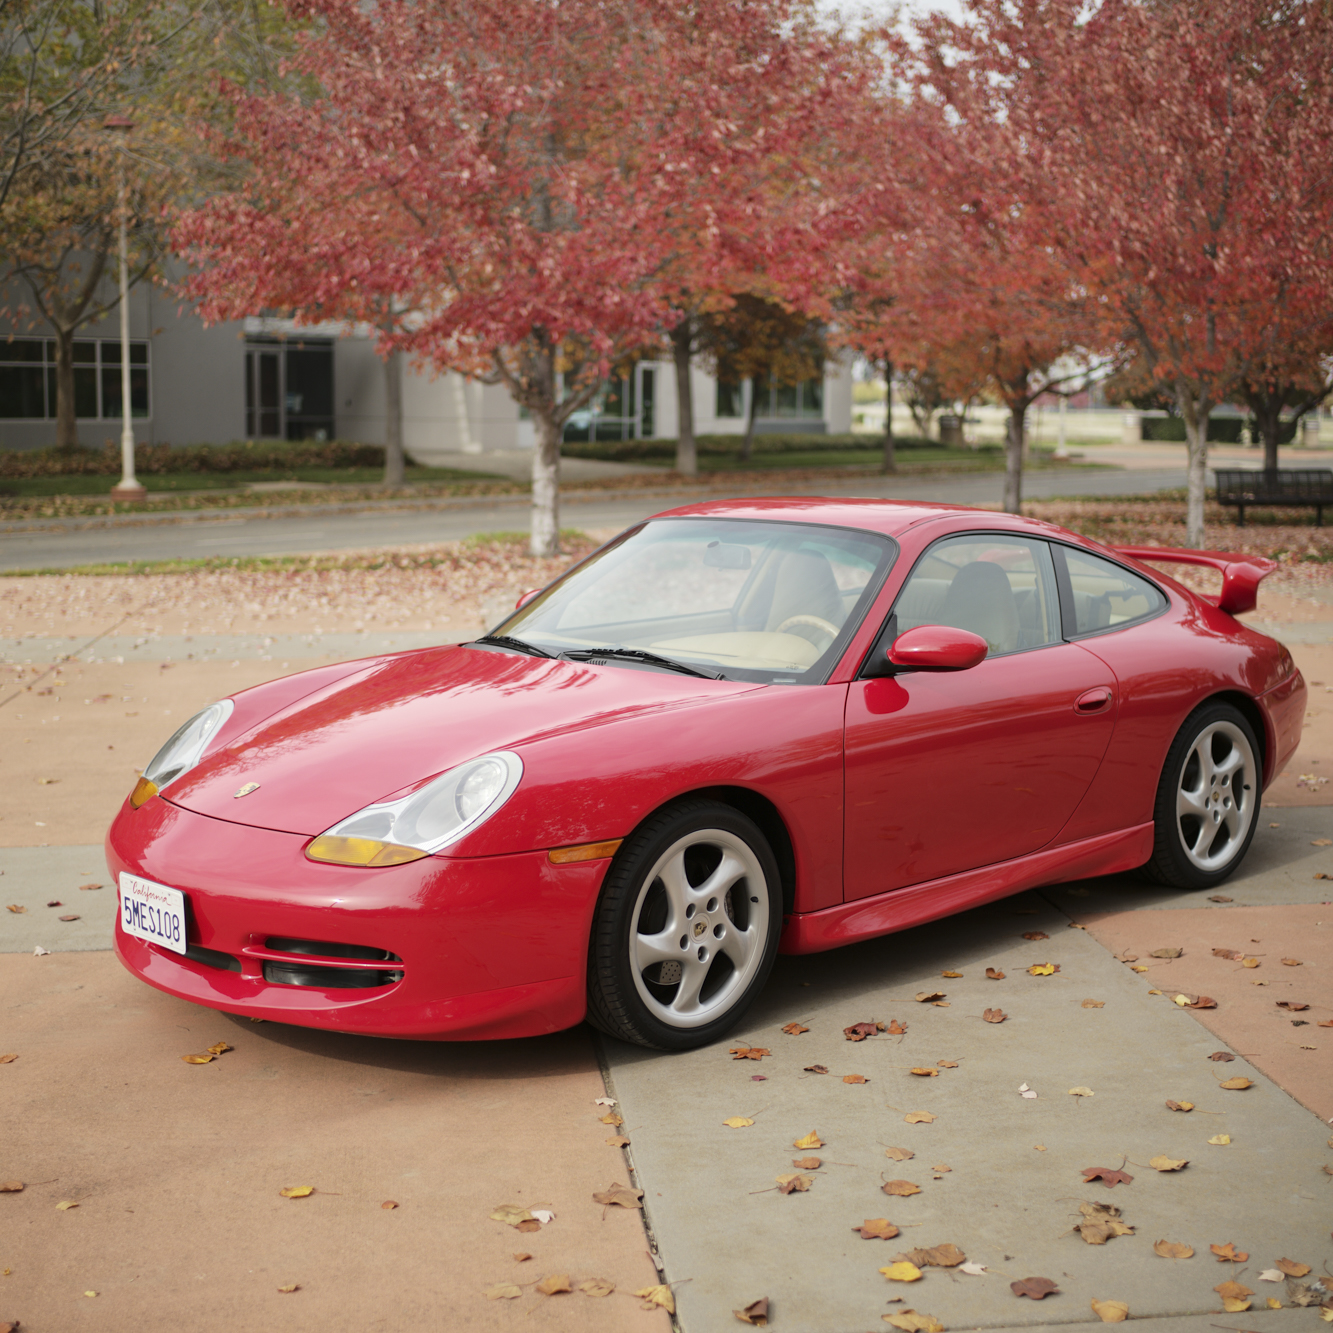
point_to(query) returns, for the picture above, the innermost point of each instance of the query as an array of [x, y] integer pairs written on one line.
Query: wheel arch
[[1250, 710]]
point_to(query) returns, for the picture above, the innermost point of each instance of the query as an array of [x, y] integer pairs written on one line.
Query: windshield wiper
[[638, 655], [509, 641]]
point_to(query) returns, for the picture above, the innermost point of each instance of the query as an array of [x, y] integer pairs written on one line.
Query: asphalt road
[[56, 545]]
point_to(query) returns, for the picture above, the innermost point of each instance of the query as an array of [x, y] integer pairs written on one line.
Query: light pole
[[128, 487]]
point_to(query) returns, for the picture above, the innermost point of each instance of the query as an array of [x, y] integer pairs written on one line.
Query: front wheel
[[1207, 800], [686, 929]]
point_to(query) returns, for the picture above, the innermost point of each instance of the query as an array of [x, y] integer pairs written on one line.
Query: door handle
[[1093, 701]]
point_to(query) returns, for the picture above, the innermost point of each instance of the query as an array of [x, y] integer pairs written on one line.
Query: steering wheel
[[817, 621]]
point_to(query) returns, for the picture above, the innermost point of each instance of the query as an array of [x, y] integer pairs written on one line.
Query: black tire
[[1228, 804], [694, 843]]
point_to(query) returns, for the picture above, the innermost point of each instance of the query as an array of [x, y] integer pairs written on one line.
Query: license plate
[[153, 912]]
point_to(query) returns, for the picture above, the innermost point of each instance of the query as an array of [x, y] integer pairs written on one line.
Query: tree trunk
[[890, 462], [1195, 412], [67, 428], [394, 465], [546, 487], [1013, 460], [747, 444], [682, 346], [1269, 420]]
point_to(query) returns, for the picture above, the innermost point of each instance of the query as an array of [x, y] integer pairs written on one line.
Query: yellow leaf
[[902, 1271], [1173, 1249], [511, 1214], [1234, 1305], [219, 1047], [596, 1286], [1081, 1092], [738, 1122], [90, 1293], [1181, 1000], [203, 1058], [611, 1118], [65, 1205], [296, 1286], [919, 1118], [911, 1322], [1110, 1312], [1249, 962], [811, 1140], [1138, 967], [297, 1191], [1163, 1163], [951, 974], [554, 1285], [1237, 1084], [1326, 1316], [1094, 1004], [1041, 970], [926, 1073], [1273, 1303], [658, 1296]]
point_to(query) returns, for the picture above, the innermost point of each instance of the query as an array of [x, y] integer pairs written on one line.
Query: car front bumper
[[469, 948]]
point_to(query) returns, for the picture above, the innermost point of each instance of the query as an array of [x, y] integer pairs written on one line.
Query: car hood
[[403, 719]]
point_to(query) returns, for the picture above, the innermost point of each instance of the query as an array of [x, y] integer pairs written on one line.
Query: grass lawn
[[94, 484]]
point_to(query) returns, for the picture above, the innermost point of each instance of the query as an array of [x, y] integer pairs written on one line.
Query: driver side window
[[1000, 587]]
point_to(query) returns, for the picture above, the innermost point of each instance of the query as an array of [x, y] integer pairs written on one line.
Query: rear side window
[[1099, 595]]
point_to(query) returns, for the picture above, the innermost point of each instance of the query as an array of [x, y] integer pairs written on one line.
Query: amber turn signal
[[589, 851], [361, 852], [143, 791]]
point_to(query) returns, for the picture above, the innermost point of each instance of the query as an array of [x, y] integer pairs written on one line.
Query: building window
[[805, 399], [28, 379], [730, 400], [625, 409], [289, 389]]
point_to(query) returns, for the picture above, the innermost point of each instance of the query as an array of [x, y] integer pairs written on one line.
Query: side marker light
[[589, 851], [144, 790]]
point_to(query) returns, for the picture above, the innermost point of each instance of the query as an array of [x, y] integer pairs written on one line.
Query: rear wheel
[[686, 929], [1207, 799]]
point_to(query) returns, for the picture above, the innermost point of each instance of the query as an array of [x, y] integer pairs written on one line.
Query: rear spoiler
[[1241, 574]]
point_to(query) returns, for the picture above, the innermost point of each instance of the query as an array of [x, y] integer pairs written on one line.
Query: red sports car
[[739, 727]]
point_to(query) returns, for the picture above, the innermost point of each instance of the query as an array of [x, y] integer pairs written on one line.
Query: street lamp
[[128, 487]]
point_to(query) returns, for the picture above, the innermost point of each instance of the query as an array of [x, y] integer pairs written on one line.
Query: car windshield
[[747, 600]]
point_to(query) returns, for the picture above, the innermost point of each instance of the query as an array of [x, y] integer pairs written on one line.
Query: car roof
[[891, 517]]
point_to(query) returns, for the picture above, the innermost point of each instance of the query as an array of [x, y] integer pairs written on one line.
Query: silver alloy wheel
[[716, 925], [1216, 796]]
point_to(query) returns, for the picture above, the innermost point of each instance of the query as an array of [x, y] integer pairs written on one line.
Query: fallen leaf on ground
[[938, 1256], [749, 1052], [296, 1286], [1292, 1006], [919, 1118], [617, 1141], [810, 1140], [911, 1322], [1173, 1249], [70, 918], [1228, 1253], [1043, 969], [1195, 1001], [662, 1296], [902, 1271], [511, 1214], [755, 1313], [994, 1015], [929, 996], [895, 1028], [596, 1286], [521, 1256], [1251, 962], [855, 1078], [1035, 935], [1110, 1312], [297, 1191], [738, 1122], [612, 1119], [953, 976], [945, 1169], [1025, 1091], [794, 1029], [84, 888], [620, 1195], [15, 907], [1179, 1106], [389, 1203], [1321, 842], [1234, 955], [220, 1048], [65, 1205], [11, 1186], [993, 974], [1224, 1057], [603, 1101], [925, 1072], [795, 1184], [1326, 1023], [1291, 962], [806, 1163], [947, 1064], [816, 1069], [1036, 1288], [1081, 1092], [899, 1154], [1138, 967], [9, 1059], [1237, 1084], [554, 1285], [1219, 898], [1162, 1163], [1094, 1004], [1220, 1140], [973, 1269], [1292, 1268], [1234, 1296], [877, 1228], [860, 1031], [1166, 953], [902, 1188], [1101, 1222], [1109, 1176]]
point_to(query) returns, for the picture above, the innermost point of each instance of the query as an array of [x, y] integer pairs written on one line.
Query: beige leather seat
[[805, 586], [981, 600]]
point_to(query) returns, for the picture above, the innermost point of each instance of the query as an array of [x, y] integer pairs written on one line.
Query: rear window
[[1104, 595]]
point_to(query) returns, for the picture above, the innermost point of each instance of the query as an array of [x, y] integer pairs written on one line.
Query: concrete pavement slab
[[76, 879], [1014, 1183], [176, 1170]]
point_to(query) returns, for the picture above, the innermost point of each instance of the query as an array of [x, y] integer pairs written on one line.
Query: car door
[[948, 771]]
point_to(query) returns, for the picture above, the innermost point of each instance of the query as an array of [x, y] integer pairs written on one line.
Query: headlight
[[433, 816], [182, 752]]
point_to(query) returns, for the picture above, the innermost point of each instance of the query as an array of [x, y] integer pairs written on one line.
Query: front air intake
[[329, 978]]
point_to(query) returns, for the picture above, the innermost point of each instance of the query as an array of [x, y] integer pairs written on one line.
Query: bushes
[[1221, 430], [239, 456], [729, 446]]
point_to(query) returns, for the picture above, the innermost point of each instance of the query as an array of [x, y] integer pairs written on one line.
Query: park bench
[[1280, 486]]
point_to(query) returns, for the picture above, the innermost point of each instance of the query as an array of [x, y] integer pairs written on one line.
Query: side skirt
[[900, 909]]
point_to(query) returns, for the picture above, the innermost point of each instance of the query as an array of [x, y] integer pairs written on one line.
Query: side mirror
[[936, 648], [525, 597]]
